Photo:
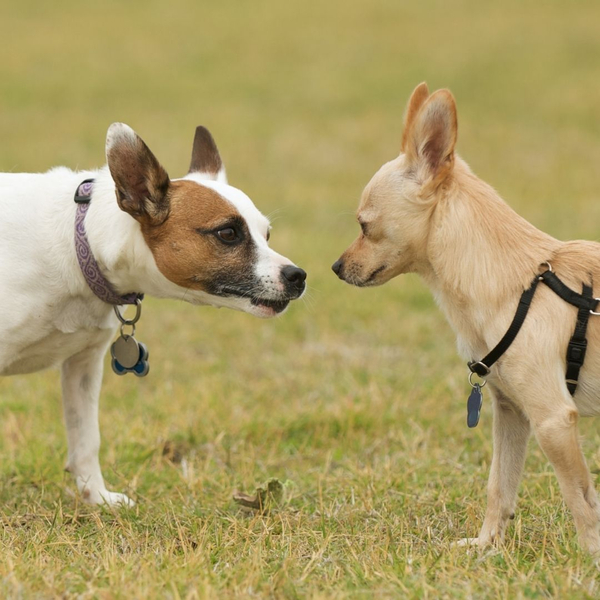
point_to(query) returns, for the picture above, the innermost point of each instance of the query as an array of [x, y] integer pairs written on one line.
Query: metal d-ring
[[483, 380], [596, 314], [136, 318], [547, 262]]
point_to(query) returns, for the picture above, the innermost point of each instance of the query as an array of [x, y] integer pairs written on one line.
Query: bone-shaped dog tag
[[129, 356]]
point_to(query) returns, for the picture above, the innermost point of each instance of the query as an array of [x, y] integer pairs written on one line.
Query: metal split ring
[[136, 318], [483, 380], [127, 335]]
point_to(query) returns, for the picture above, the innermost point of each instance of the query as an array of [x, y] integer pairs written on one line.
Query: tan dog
[[426, 212]]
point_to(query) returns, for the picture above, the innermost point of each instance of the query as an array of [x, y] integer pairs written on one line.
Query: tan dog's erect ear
[[419, 95], [142, 183], [205, 155], [432, 136]]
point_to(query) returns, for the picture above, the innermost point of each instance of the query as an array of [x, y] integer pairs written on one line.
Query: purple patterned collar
[[89, 267]]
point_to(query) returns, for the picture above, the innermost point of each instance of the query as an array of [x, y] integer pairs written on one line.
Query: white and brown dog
[[426, 212], [195, 239]]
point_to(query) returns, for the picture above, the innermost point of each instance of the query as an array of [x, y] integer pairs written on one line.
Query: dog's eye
[[268, 235], [228, 235]]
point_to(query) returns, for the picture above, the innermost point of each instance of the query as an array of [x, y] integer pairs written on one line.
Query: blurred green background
[[354, 397]]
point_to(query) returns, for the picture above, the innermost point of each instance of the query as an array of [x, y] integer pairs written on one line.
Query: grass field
[[354, 399]]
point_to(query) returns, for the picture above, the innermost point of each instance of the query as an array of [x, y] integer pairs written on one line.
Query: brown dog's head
[[396, 206], [208, 241]]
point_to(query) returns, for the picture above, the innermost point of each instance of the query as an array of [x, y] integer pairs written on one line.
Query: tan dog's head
[[396, 206], [207, 238]]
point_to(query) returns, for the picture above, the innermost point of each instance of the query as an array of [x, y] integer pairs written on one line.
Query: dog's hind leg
[[555, 428], [81, 381], [511, 433]]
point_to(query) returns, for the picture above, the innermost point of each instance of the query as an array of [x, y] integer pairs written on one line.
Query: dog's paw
[[117, 500], [106, 498], [590, 541], [477, 543], [467, 543], [485, 547]]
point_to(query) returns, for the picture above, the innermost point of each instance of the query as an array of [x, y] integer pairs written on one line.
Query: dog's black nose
[[336, 267], [294, 275]]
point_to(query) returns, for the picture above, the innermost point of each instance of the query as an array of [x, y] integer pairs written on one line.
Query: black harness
[[576, 349]]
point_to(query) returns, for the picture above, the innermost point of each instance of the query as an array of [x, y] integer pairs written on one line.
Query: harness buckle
[[576, 351]]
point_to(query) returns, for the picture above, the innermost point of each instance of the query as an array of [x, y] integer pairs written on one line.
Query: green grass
[[355, 398]]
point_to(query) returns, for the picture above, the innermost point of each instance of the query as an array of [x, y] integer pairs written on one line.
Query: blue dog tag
[[474, 406]]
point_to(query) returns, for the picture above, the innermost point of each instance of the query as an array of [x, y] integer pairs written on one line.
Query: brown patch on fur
[[184, 250], [205, 155]]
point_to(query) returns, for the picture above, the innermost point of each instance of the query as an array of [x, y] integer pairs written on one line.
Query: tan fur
[[427, 213], [415, 102]]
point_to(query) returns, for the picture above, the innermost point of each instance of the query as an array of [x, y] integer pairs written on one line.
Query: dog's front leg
[[511, 433], [81, 382]]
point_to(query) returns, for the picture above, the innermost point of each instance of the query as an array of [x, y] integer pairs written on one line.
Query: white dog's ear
[[432, 137], [206, 159], [142, 183], [419, 95]]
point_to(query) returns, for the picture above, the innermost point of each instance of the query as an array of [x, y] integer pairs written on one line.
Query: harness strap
[[578, 343], [577, 347], [566, 293], [482, 367]]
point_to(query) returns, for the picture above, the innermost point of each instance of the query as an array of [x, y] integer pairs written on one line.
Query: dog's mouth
[[276, 305], [371, 278], [369, 281]]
